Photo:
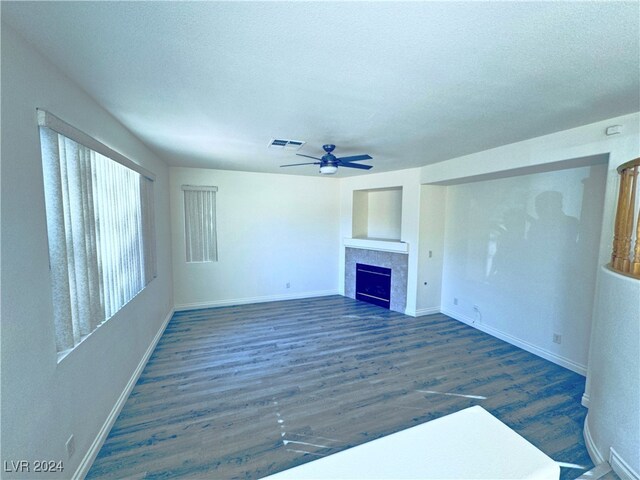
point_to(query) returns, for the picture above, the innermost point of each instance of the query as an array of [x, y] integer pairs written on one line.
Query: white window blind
[[100, 224], [200, 223]]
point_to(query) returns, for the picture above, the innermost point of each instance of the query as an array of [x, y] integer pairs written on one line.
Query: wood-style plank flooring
[[246, 391]]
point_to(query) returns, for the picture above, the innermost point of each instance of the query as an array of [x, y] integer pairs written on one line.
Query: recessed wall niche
[[377, 213]]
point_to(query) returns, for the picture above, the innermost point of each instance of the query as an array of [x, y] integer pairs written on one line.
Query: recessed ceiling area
[[210, 84]]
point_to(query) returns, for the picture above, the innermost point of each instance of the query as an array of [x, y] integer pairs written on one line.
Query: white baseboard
[[529, 347], [585, 400], [596, 456], [95, 447], [618, 465], [246, 300], [420, 312], [622, 468]]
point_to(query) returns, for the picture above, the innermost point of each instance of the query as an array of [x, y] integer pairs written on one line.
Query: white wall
[[524, 250], [272, 230], [433, 202], [614, 373], [385, 214], [409, 180], [44, 402]]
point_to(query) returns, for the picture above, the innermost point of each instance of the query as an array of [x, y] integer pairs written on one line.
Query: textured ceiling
[[208, 84]]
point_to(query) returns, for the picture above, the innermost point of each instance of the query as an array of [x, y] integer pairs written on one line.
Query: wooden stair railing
[[624, 258]]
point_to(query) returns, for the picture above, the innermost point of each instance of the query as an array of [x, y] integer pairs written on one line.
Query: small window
[[200, 223]]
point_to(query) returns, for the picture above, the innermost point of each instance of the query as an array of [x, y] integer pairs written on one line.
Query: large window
[[200, 223], [100, 224]]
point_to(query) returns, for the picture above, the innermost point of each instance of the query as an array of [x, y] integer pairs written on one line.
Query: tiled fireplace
[[396, 262]]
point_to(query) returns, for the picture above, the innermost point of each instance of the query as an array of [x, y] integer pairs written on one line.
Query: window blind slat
[[66, 151], [147, 210], [57, 242]]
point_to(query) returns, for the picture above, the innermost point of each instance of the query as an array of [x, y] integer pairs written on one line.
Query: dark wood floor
[[246, 391]]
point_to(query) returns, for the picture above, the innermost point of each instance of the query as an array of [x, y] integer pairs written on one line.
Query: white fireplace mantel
[[382, 245]]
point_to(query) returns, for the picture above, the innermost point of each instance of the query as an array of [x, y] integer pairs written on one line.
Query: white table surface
[[469, 444]]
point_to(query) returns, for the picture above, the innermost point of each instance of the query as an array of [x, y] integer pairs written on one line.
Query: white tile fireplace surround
[[397, 262]]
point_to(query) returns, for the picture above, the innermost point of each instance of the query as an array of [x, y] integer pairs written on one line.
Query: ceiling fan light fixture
[[328, 169]]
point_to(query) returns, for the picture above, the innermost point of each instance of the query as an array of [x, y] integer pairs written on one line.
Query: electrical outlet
[[288, 285], [71, 446], [455, 301], [557, 338]]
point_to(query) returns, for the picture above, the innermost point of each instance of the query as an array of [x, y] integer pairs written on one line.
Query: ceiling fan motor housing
[[328, 147]]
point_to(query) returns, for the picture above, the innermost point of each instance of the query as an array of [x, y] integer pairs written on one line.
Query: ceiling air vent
[[286, 144]]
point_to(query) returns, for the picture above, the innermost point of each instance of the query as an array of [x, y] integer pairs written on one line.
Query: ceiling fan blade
[[354, 165], [355, 158], [308, 156], [296, 164]]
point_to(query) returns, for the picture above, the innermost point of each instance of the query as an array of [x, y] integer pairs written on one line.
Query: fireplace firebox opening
[[373, 284]]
